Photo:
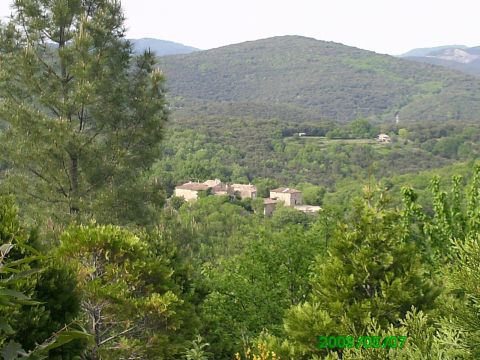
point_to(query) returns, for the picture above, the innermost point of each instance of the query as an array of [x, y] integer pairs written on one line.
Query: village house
[[269, 206], [290, 197], [244, 191], [190, 191], [219, 188], [384, 139]]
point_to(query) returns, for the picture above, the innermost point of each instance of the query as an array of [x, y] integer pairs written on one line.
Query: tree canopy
[[84, 116]]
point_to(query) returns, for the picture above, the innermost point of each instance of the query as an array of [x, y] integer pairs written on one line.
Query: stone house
[[244, 191], [269, 206], [219, 188], [189, 191], [290, 197]]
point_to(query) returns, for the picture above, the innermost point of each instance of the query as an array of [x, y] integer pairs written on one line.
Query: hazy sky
[[385, 26]]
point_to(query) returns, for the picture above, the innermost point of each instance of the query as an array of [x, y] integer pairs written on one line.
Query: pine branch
[[115, 336]]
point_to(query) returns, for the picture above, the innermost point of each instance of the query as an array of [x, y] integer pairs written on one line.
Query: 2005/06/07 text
[[365, 342]]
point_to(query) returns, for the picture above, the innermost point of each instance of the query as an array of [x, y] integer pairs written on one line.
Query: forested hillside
[[333, 158], [317, 79]]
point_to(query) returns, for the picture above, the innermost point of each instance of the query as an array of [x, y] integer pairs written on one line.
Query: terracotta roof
[[269, 201], [285, 190], [193, 186]]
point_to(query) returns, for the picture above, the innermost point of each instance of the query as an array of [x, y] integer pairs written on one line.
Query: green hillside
[[315, 79]]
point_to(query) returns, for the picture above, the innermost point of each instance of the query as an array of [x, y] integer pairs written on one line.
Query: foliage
[[285, 215], [260, 352], [312, 194], [424, 341], [46, 334], [84, 116], [463, 282], [128, 297], [248, 295], [373, 270], [56, 290], [357, 129], [197, 351]]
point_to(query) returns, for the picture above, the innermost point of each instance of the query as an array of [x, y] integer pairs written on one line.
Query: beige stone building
[[219, 188], [244, 191], [269, 206], [290, 197], [189, 191]]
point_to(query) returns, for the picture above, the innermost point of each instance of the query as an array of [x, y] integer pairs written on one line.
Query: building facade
[[244, 191], [269, 206], [289, 196], [219, 188], [190, 191]]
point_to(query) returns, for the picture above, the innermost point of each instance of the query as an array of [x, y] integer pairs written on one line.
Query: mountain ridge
[[331, 80], [419, 52], [457, 57], [161, 47]]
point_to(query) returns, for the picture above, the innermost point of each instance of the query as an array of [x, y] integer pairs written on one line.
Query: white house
[[384, 139]]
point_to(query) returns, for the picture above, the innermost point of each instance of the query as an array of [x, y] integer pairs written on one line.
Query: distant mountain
[[425, 51], [161, 47], [456, 57], [305, 79]]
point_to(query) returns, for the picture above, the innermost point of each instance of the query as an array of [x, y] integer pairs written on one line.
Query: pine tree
[[373, 270], [84, 116], [461, 272]]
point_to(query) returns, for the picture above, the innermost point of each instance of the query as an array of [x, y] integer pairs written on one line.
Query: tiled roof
[[244, 187], [285, 190], [193, 186]]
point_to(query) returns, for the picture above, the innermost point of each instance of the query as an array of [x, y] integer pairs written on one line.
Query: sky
[[385, 26]]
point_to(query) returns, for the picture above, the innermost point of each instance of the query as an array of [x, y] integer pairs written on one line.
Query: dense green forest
[[99, 261], [332, 158], [301, 78]]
